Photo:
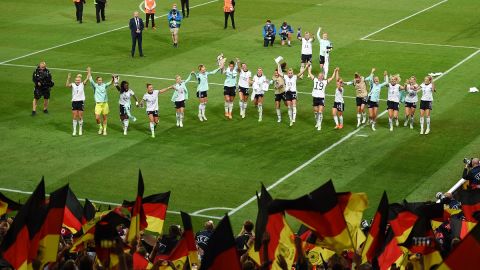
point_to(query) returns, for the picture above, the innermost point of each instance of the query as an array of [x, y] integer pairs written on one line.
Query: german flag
[[189, 238], [390, 253], [7, 205], [89, 211], [281, 235], [155, 207], [16, 243], [140, 262], [465, 255], [422, 241], [401, 220], [470, 200], [138, 221], [221, 253], [73, 216], [49, 235], [178, 256], [376, 234], [352, 205], [321, 212]]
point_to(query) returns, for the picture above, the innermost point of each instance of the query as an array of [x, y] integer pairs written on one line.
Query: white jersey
[[124, 98], [324, 44], [181, 92], [319, 87], [151, 100], [427, 92], [339, 95], [78, 92], [244, 79], [307, 46], [260, 84], [411, 96], [290, 83], [393, 92]]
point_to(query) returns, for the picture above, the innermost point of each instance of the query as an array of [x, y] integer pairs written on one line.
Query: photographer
[[174, 21], [471, 172], [286, 32], [42, 80], [269, 32]]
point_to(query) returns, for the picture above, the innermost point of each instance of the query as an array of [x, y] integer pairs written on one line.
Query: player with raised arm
[[428, 87], [411, 100], [125, 104], [202, 88], [278, 82], [393, 99], [359, 82], [306, 58], [180, 95], [325, 49], [318, 94], [231, 73], [259, 86], [338, 104], [78, 102], [291, 92], [244, 82], [151, 98], [374, 96], [101, 101]]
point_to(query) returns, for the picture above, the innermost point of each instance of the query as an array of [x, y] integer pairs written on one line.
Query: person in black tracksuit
[[185, 5], [79, 10], [100, 9]]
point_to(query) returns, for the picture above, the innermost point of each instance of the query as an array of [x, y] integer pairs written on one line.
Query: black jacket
[[44, 77]]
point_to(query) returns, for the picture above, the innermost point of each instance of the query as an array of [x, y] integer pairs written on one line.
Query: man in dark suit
[[136, 28], [100, 9]]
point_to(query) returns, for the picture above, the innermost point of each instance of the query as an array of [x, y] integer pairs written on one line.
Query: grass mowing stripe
[[89, 37], [419, 43], [196, 214], [401, 20]]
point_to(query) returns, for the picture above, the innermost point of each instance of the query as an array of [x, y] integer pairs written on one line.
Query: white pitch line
[[210, 209], [109, 203], [406, 18], [419, 43], [279, 181], [89, 37]]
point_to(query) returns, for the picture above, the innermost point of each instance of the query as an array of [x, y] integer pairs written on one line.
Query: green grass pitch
[[220, 163]]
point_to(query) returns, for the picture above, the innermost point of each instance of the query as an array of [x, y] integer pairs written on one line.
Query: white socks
[[125, 124], [260, 112], [201, 109], [359, 119], [335, 118], [230, 107], [279, 114], [75, 126], [294, 113], [290, 113], [340, 118], [152, 127], [428, 122], [226, 105], [422, 120]]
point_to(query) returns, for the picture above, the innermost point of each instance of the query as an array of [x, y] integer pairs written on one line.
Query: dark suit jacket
[[133, 25]]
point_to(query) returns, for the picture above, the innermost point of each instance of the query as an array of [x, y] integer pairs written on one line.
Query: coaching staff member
[[100, 9], [79, 9], [43, 82], [136, 29], [472, 174], [229, 10]]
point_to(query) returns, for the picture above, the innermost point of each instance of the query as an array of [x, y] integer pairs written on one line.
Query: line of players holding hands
[[284, 82]]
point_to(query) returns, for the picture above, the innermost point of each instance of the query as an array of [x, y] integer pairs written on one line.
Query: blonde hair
[[396, 77], [79, 75]]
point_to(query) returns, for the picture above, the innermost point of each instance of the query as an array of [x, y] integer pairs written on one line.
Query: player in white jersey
[[231, 74], [179, 97], [411, 99], [427, 87], [78, 102], [151, 100], [393, 99], [325, 49], [307, 41], [125, 105], [244, 82], [291, 92], [259, 86], [338, 104], [318, 94]]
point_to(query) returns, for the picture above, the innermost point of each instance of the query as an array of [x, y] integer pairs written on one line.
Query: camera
[[468, 162]]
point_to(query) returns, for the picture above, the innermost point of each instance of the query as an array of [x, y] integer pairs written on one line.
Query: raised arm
[[165, 89], [68, 83], [279, 68], [433, 87], [334, 75], [370, 77], [189, 77], [318, 33], [303, 71], [89, 76]]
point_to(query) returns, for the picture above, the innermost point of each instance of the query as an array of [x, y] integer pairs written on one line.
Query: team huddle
[[239, 80]]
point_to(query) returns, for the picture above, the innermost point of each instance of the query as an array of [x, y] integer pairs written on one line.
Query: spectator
[[229, 10], [136, 29], [150, 12], [168, 242], [471, 172], [174, 22], [244, 236], [43, 82], [286, 32], [79, 9], [202, 237], [100, 9], [185, 5], [269, 32]]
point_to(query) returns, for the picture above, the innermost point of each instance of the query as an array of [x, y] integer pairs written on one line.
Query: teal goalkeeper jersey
[[375, 89], [231, 77], [203, 79], [100, 91]]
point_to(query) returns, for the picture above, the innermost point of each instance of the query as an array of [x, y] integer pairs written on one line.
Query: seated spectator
[[269, 32], [202, 237], [285, 33], [244, 236]]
